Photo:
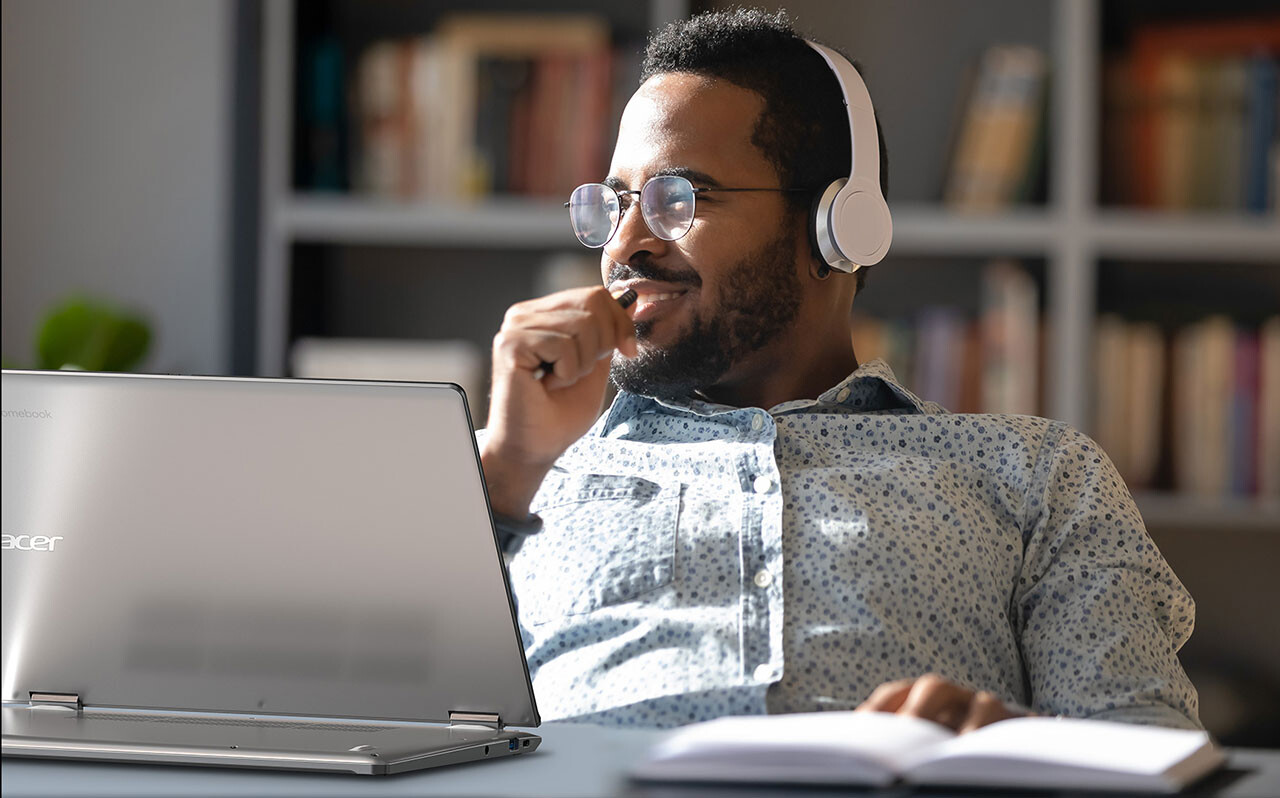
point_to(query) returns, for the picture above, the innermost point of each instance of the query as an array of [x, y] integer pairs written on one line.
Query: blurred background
[[1084, 196]]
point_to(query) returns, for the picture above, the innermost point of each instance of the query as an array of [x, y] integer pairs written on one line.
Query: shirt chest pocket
[[606, 541]]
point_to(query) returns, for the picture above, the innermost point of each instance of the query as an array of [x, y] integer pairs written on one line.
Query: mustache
[[642, 267]]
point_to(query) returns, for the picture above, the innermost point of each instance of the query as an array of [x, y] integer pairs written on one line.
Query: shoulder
[[1073, 453], [1004, 441]]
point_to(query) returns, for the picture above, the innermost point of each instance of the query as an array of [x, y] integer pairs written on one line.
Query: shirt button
[[762, 484], [757, 422], [764, 673], [844, 394], [763, 578]]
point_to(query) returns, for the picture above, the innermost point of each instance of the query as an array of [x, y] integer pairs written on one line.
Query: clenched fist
[[550, 370]]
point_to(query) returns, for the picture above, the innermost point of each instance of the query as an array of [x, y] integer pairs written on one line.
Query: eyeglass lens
[[594, 211], [666, 203]]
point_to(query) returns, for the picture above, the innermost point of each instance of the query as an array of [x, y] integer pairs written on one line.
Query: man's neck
[[785, 376]]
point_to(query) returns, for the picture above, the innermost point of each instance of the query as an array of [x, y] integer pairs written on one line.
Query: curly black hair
[[803, 130]]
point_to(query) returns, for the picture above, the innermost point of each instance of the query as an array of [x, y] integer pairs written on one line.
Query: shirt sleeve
[[511, 532], [1099, 613]]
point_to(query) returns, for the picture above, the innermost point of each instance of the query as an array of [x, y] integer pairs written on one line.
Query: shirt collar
[[872, 387]]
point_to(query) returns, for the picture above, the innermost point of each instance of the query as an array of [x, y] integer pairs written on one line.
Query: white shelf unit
[[1071, 233], [919, 229]]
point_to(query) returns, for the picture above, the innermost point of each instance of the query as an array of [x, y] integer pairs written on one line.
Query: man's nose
[[633, 237]]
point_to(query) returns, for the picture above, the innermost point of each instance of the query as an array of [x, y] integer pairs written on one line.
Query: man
[[758, 523]]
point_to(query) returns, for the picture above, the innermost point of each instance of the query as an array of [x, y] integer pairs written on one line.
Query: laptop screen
[[291, 547]]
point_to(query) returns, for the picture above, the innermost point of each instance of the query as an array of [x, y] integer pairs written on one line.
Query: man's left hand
[[934, 698]]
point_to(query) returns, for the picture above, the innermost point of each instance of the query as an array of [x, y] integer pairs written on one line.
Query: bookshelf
[[303, 233], [1065, 232], [344, 265]]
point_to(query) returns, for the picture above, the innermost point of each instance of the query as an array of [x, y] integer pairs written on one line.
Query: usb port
[[513, 745]]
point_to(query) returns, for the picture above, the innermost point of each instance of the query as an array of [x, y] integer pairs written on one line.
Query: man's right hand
[[533, 421]]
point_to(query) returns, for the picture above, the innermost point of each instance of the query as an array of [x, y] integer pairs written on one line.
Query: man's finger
[[984, 709], [936, 699], [624, 328], [888, 697], [529, 350]]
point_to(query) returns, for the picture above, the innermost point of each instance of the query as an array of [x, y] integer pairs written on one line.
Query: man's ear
[[803, 224], [811, 231]]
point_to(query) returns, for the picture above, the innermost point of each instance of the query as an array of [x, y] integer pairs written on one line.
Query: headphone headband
[[852, 223], [865, 145]]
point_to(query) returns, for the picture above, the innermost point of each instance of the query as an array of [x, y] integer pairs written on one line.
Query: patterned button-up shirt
[[699, 560]]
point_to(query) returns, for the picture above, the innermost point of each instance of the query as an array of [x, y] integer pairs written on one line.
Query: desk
[[574, 760]]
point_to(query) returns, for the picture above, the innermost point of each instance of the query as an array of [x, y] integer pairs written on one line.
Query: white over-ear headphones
[[851, 220]]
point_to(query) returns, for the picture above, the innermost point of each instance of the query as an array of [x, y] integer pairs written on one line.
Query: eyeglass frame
[[622, 211]]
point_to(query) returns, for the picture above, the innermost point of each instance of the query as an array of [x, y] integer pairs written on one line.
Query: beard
[[762, 301]]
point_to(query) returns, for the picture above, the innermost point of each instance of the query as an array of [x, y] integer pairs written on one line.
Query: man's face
[[712, 300]]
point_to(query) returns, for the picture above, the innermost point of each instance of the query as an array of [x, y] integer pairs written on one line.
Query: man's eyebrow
[[692, 175]]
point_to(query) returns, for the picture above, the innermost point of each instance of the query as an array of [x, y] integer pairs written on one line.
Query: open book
[[877, 749]]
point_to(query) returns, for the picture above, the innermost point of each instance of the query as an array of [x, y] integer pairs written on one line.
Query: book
[[1260, 131], [992, 162], [1129, 379], [323, 153], [1268, 404], [484, 103], [1213, 455], [1017, 122], [879, 749], [1191, 109], [1205, 356], [969, 389], [1010, 329], [1144, 395], [499, 81], [1244, 416], [1227, 112], [382, 164], [434, 142], [1174, 134], [1111, 390], [939, 354]]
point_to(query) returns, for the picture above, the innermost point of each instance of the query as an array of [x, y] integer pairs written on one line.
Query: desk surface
[[573, 761]]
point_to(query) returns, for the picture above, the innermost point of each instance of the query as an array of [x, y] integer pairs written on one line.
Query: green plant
[[83, 334]]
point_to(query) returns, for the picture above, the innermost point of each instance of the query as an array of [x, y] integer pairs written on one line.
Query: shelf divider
[[507, 223], [1187, 236]]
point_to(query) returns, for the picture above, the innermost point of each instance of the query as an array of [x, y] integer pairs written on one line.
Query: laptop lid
[[293, 547]]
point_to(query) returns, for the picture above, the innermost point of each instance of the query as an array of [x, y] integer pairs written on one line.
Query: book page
[[810, 747], [1067, 752]]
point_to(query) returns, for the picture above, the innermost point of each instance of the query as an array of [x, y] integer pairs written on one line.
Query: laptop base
[[245, 741]]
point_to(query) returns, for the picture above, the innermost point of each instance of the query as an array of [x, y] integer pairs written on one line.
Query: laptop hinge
[[487, 719], [63, 700]]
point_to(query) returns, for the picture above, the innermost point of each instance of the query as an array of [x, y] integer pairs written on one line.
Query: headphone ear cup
[[859, 222], [815, 245], [824, 234]]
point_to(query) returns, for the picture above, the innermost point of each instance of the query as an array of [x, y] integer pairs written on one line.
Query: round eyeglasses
[[667, 203]]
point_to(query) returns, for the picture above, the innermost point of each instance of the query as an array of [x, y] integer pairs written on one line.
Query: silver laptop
[[289, 574]]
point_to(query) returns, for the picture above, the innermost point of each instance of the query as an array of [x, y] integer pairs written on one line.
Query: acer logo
[[29, 542]]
